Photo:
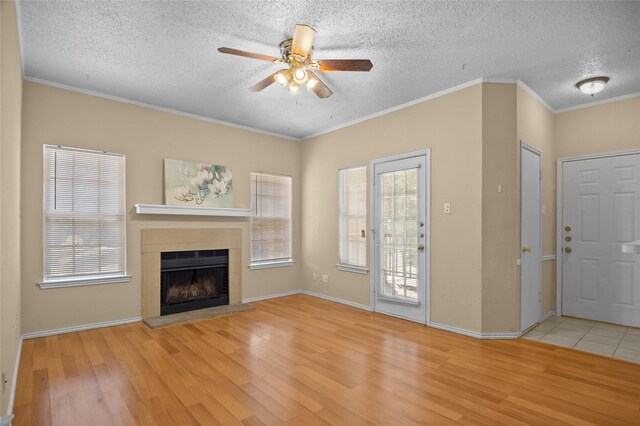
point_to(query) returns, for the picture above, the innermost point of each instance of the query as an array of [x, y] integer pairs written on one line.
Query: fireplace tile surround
[[156, 241]]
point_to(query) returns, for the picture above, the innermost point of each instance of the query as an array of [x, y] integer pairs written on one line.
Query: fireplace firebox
[[192, 280]]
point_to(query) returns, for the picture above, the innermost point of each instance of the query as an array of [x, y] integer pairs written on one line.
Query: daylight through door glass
[[400, 225]]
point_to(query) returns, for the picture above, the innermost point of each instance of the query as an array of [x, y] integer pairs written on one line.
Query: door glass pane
[[399, 221]]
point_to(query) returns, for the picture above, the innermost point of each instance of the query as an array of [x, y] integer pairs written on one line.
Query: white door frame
[[427, 218], [524, 145], [559, 213]]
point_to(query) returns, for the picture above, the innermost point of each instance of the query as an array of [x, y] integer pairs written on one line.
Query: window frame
[[343, 264], [272, 263], [81, 279]]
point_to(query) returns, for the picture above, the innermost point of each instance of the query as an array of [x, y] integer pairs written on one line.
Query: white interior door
[[401, 235], [530, 232], [600, 208]]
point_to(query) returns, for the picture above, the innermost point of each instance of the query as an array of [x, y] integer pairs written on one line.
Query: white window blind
[[353, 216], [270, 218], [84, 214]]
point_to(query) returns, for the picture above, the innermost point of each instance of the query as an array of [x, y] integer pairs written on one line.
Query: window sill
[[84, 281], [267, 265], [352, 268]]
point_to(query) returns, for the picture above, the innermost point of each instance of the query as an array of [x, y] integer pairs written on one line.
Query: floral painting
[[197, 184]]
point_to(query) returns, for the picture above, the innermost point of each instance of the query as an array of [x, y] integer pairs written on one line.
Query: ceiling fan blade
[[320, 88], [345, 65], [246, 54], [302, 40], [264, 83]]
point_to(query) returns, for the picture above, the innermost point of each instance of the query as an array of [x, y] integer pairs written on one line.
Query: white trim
[[427, 219], [596, 103], [73, 329], [154, 107], [12, 391], [337, 300], [83, 281], [547, 316], [271, 264], [500, 80], [548, 257], [352, 268], [396, 108], [559, 213], [271, 296], [20, 37], [474, 334], [600, 155], [559, 243], [535, 151], [191, 210], [535, 96]]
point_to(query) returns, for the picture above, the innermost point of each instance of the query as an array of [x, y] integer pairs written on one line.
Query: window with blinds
[[84, 214], [270, 219], [353, 217]]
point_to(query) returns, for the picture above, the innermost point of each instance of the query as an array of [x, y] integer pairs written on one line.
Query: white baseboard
[[337, 300], [547, 316], [475, 334], [14, 382], [270, 296], [75, 328]]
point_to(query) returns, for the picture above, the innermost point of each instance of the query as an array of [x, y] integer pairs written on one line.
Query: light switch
[[447, 208], [499, 188]]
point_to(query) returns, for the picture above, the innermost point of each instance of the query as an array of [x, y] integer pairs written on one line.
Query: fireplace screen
[[193, 280]]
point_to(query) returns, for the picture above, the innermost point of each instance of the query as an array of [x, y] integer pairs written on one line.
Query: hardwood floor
[[305, 361]]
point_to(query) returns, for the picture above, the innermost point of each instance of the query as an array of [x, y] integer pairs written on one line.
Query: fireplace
[[157, 241], [192, 280]]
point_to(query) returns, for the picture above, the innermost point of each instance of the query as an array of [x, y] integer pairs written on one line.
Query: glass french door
[[401, 237]]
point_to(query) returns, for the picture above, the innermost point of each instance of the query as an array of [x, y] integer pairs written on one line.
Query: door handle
[[567, 250], [420, 247], [526, 249]]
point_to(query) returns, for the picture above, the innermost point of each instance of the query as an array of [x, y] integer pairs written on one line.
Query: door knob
[[526, 249], [567, 250], [421, 247]]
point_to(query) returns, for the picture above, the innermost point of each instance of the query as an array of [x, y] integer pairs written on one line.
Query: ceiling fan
[[296, 53]]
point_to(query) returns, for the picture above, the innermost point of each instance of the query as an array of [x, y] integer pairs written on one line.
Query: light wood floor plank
[[300, 360]]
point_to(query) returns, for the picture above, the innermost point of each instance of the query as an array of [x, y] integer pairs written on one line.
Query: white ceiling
[[164, 53]]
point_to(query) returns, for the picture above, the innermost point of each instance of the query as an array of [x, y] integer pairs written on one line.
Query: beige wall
[[146, 137], [608, 127], [10, 116], [500, 210], [536, 128], [451, 127]]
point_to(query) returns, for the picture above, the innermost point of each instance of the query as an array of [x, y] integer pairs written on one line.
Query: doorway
[[599, 198], [530, 236], [401, 235]]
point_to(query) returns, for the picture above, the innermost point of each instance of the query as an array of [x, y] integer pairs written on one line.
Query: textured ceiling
[[164, 53]]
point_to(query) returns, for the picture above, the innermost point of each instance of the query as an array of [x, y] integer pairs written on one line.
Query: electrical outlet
[[447, 208], [325, 278], [315, 276]]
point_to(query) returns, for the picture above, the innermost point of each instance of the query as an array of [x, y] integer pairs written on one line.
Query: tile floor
[[590, 336]]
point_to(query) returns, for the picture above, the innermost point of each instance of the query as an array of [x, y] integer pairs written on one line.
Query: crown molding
[[596, 103], [155, 107]]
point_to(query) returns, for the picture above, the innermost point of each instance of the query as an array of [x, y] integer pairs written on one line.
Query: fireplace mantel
[[156, 241]]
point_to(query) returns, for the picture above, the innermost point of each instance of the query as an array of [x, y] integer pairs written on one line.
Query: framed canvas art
[[192, 183]]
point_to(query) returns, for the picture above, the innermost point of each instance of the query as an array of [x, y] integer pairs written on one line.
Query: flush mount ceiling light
[[593, 85], [296, 53]]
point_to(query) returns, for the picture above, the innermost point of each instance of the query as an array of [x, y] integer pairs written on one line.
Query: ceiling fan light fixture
[[300, 75], [591, 86], [293, 87], [311, 83], [282, 78]]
